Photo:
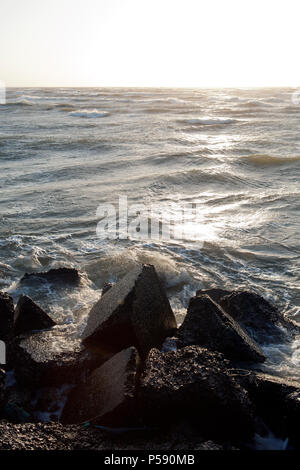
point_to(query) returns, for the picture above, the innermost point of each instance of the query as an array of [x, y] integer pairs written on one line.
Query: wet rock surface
[[134, 312], [206, 324], [193, 382], [49, 358], [108, 395], [256, 315], [215, 294], [277, 401], [59, 275], [7, 313], [29, 316]]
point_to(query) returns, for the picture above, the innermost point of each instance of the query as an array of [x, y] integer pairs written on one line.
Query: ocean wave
[[271, 160], [256, 104], [169, 99], [112, 267], [206, 121], [20, 102], [89, 113], [206, 176]]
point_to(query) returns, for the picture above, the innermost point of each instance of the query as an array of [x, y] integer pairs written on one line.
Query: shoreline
[[149, 371]]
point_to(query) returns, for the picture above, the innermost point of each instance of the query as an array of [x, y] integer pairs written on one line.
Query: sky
[[158, 43]]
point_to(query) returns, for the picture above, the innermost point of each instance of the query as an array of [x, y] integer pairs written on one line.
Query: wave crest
[[210, 121], [271, 160], [89, 113]]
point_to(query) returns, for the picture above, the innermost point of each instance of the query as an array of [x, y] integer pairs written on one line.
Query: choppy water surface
[[234, 153]]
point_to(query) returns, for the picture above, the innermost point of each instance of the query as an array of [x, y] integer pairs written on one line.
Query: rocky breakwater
[[134, 371]]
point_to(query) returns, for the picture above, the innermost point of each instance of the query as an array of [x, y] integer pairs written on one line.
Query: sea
[[233, 155]]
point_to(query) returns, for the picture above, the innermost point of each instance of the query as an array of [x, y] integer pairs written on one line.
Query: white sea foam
[[206, 121], [89, 113]]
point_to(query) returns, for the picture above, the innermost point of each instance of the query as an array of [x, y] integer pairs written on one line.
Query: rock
[[257, 316], [215, 294], [134, 312], [51, 400], [108, 396], [106, 287], [29, 316], [2, 387], [193, 383], [16, 414], [59, 275], [7, 313], [277, 401], [50, 357], [19, 396], [55, 436], [206, 324]]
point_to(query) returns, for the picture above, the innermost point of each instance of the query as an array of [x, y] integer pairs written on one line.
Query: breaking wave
[[210, 121], [89, 113], [271, 160]]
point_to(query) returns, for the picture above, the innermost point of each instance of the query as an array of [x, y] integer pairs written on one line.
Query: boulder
[[215, 294], [277, 401], [7, 313], [257, 316], [206, 324], [57, 276], [29, 316], [50, 357], [108, 396], [193, 383], [134, 312], [19, 396], [17, 405]]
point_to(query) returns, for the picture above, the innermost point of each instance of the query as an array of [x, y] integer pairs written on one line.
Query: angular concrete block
[[133, 312], [108, 396], [206, 324], [29, 316], [7, 313]]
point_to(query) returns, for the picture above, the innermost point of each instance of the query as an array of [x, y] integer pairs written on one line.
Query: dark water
[[233, 153]]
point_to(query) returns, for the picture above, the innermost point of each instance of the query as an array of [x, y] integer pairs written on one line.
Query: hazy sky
[[149, 43]]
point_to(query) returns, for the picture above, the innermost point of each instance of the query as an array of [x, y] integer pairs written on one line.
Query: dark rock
[[19, 396], [51, 400], [55, 436], [257, 316], [215, 294], [50, 357], [135, 311], [170, 344], [277, 401], [106, 287], [193, 383], [59, 275], [16, 414], [29, 316], [2, 387], [7, 313], [108, 396], [206, 324]]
